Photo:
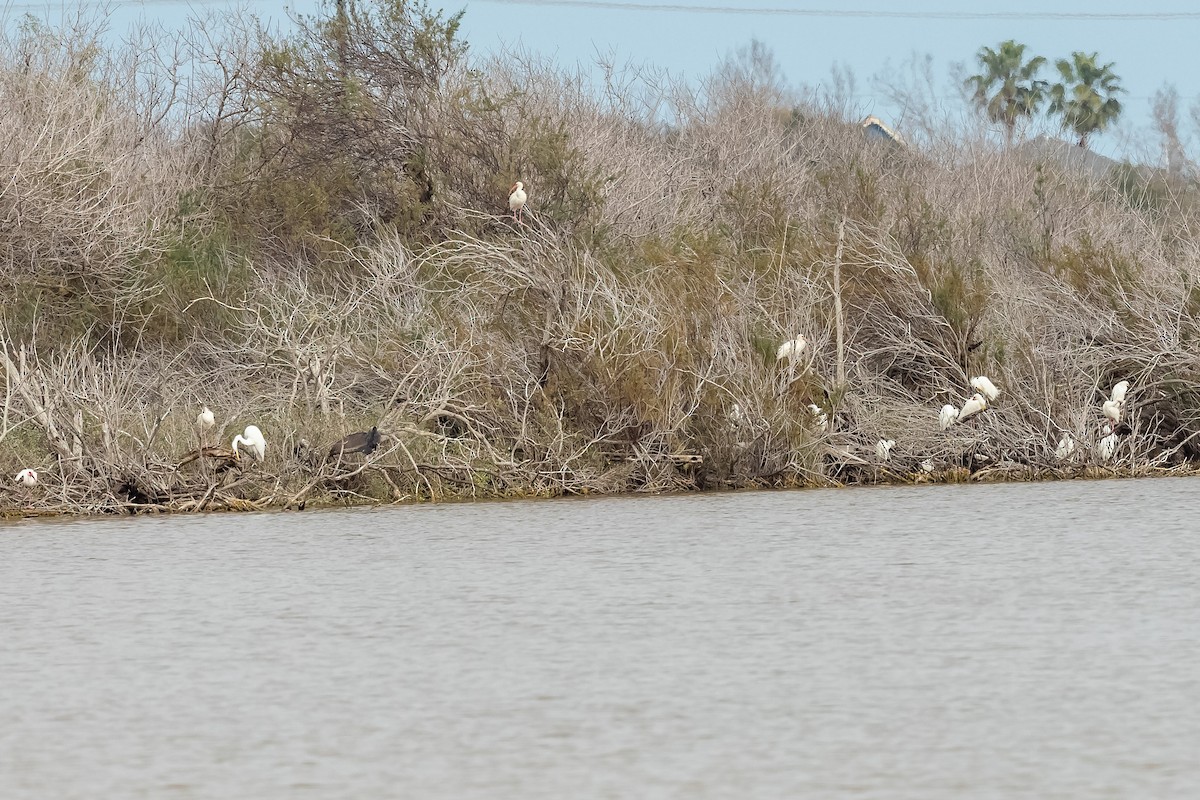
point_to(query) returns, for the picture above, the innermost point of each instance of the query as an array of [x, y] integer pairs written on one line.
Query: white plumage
[[948, 416], [819, 416], [1108, 445], [516, 200], [791, 349], [973, 406], [1118, 392], [883, 449], [984, 385], [27, 477], [254, 440], [1112, 411], [205, 419], [1066, 448]]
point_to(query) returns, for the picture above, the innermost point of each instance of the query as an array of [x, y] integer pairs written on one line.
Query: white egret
[[1066, 448], [516, 201], [819, 416], [1108, 445], [253, 438], [27, 477], [205, 419], [973, 406], [1112, 411], [927, 466], [883, 449], [984, 385], [1118, 392], [791, 349], [948, 416]]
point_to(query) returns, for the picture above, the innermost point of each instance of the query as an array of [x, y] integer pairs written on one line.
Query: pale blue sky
[[1146, 51]]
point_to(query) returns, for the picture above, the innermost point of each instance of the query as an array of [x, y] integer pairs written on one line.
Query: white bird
[[516, 201], [1112, 411], [1108, 445], [819, 416], [791, 349], [1118, 392], [27, 477], [984, 385], [252, 437], [927, 466], [735, 413], [1066, 448], [883, 449], [948, 416], [205, 419], [973, 406]]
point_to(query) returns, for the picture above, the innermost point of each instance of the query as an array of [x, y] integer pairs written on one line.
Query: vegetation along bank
[[318, 238]]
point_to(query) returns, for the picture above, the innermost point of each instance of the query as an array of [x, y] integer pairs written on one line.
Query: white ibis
[[948, 416], [984, 385], [973, 406], [791, 349], [883, 449], [1112, 411], [253, 438], [516, 201], [1066, 448], [1108, 445], [27, 478], [1118, 392]]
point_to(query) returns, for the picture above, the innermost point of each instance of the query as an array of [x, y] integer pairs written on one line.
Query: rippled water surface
[[919, 642]]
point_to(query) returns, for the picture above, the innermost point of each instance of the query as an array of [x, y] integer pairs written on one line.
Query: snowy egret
[[883, 449], [791, 349], [253, 438], [948, 416], [27, 477], [516, 201], [984, 385], [973, 406]]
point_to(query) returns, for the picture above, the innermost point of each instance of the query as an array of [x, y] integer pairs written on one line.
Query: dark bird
[[361, 442]]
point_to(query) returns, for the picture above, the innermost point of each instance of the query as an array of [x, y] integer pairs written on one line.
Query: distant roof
[[1066, 154], [874, 128]]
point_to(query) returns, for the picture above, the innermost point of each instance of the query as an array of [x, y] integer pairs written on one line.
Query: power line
[[617, 5]]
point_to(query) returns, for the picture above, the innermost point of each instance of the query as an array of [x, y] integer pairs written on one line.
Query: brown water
[[932, 642]]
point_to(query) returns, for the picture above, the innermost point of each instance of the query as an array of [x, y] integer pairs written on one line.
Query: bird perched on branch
[[27, 478], [364, 442], [1119, 391], [791, 349], [883, 449], [516, 201], [973, 406], [948, 416], [984, 385], [254, 441], [205, 419], [1066, 448], [1108, 445]]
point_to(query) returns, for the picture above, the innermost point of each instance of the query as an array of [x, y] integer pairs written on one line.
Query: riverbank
[[322, 243]]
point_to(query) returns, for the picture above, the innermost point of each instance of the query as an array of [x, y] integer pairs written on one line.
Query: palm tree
[[1007, 89], [1086, 99]]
